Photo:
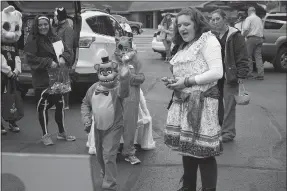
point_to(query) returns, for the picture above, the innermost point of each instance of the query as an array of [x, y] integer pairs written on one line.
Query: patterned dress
[[182, 133]]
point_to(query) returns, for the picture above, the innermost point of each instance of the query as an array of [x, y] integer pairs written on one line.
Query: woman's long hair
[[201, 24], [35, 30]]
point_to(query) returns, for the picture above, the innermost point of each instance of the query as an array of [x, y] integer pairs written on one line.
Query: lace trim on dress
[[190, 53]]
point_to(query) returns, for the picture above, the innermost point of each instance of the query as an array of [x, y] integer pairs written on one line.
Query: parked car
[[135, 26], [94, 30], [29, 10], [274, 48]]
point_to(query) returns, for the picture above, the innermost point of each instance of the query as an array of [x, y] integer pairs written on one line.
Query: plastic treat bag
[[59, 80]]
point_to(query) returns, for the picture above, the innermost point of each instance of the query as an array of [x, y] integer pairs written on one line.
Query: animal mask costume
[[102, 107], [125, 54], [10, 34], [107, 71]]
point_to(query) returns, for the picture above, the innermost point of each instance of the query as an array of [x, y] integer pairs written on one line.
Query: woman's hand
[[54, 65], [62, 61], [178, 85]]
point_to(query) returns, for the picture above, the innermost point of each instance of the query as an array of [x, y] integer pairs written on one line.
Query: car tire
[[163, 55], [280, 63], [135, 30]]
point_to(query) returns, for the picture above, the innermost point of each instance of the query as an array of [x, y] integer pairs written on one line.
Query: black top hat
[[105, 59]]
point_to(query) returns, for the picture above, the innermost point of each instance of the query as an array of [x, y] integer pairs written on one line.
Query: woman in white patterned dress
[[192, 123]]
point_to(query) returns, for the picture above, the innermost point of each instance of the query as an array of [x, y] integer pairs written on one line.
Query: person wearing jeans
[[43, 57], [253, 31], [235, 65]]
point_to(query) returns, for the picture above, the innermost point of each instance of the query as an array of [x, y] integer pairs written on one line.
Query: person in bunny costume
[[10, 61]]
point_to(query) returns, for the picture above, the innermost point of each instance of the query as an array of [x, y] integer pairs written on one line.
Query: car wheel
[[280, 64], [135, 31], [163, 55]]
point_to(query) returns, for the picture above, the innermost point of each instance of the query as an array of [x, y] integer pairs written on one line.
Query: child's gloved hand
[[124, 72], [88, 129]]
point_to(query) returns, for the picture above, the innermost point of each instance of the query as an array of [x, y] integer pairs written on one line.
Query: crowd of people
[[209, 61]]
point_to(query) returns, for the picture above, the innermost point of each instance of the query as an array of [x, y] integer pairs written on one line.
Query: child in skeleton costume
[[10, 60], [125, 53], [103, 103]]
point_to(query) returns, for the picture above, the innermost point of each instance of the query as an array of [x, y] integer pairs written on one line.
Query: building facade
[[150, 12]]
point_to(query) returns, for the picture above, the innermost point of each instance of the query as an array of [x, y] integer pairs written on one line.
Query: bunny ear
[[9, 9], [97, 67]]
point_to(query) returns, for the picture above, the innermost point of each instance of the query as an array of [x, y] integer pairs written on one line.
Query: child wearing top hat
[[103, 104]]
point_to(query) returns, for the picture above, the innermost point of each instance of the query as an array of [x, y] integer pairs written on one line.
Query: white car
[[97, 33], [157, 44]]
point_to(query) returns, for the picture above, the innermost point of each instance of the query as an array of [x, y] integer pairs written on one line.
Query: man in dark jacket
[[235, 65]]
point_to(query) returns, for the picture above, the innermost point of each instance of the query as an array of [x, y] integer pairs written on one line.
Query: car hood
[[33, 7]]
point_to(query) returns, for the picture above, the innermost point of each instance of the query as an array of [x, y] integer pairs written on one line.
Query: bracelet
[[186, 82]]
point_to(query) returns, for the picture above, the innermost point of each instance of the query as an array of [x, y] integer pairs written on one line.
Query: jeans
[[254, 49], [228, 126]]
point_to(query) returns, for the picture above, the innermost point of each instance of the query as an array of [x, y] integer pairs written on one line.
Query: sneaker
[[3, 132], [46, 139], [14, 127], [92, 151], [64, 136], [133, 160]]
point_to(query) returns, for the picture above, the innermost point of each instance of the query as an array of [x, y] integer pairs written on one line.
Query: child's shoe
[[14, 127], [132, 159]]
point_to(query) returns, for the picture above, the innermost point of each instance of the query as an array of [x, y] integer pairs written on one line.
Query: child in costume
[[143, 135], [125, 52], [10, 60], [103, 104]]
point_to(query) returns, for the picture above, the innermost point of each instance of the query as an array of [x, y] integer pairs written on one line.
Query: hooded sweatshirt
[[40, 54]]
